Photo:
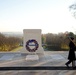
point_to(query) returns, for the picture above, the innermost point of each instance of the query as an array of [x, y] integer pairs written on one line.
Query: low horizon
[[41, 32]]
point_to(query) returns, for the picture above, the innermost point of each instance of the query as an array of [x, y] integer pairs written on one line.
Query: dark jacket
[[71, 55]]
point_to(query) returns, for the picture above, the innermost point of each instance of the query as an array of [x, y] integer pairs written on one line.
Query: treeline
[[50, 41], [57, 41], [9, 43]]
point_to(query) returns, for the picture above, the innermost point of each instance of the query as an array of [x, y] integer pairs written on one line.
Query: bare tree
[[9, 43], [73, 9]]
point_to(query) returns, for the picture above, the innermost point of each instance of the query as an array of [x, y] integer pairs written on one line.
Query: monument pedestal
[[32, 44], [32, 57]]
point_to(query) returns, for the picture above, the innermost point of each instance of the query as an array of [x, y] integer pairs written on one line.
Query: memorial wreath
[[35, 43]]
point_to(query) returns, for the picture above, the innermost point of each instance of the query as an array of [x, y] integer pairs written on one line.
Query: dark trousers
[[69, 62]]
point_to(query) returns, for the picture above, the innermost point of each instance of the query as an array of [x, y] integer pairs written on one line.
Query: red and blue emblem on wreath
[[32, 45]]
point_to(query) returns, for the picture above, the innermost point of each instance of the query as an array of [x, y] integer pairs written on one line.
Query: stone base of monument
[[32, 57]]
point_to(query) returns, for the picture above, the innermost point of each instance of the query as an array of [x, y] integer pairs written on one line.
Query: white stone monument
[[32, 43]]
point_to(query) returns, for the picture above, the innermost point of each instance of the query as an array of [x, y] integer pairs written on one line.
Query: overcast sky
[[52, 16]]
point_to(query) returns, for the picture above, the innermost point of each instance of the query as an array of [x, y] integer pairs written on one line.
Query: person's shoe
[[67, 65]]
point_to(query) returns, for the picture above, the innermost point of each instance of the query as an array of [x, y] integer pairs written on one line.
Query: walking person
[[71, 55]]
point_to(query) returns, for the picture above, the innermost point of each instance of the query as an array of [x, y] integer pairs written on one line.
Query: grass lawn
[[16, 49]]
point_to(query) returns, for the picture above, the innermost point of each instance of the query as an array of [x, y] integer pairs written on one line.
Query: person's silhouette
[[71, 55]]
